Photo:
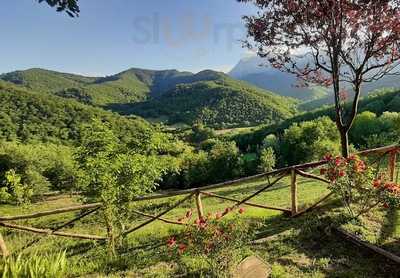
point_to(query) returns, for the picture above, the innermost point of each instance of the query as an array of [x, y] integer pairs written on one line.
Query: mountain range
[[256, 71], [172, 96]]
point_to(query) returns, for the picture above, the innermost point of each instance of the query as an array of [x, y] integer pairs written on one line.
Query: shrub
[[212, 239], [360, 186]]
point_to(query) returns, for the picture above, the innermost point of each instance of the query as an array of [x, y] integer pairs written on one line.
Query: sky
[[112, 36]]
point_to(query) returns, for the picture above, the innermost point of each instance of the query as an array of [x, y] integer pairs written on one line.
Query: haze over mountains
[[254, 70]]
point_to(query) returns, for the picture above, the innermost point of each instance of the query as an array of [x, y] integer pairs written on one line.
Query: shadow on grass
[[305, 244], [389, 225]]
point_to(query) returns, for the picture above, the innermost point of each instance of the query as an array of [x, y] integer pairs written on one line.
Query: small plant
[[211, 238], [15, 190], [35, 266], [360, 186]]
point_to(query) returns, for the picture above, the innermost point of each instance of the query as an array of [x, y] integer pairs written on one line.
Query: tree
[[69, 6], [267, 160], [113, 177], [307, 141], [330, 43]]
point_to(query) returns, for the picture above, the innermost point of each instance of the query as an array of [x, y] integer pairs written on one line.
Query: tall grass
[[34, 266]]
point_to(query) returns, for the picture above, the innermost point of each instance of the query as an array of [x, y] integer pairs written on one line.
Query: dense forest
[[222, 103], [179, 97], [385, 100]]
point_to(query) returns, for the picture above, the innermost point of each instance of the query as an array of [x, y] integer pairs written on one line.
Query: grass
[[296, 247]]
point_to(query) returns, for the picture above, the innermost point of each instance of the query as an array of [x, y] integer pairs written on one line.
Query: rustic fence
[[303, 170]]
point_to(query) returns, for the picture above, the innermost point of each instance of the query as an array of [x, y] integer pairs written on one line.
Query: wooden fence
[[302, 170]]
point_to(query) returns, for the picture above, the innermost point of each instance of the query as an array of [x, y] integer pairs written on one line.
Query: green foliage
[[69, 6], [200, 133], [32, 116], [309, 141], [35, 266], [220, 103], [219, 161], [378, 103], [267, 160], [225, 161], [360, 186], [27, 170], [100, 91], [113, 177], [371, 131], [213, 240]]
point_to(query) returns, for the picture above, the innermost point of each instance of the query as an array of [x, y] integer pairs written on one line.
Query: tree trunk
[[344, 140]]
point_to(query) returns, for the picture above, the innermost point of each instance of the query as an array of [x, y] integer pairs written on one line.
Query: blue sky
[[113, 35]]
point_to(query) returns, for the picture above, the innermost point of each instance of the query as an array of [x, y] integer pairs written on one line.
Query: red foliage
[[329, 42]]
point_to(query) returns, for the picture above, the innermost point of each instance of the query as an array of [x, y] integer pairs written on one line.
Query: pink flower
[[182, 248], [241, 210], [171, 242]]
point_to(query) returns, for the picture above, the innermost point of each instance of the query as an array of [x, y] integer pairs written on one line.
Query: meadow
[[294, 247]]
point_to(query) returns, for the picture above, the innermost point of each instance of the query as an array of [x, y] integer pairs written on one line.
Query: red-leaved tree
[[338, 43]]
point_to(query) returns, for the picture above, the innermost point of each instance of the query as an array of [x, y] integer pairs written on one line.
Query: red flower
[[377, 183], [338, 161], [201, 223], [328, 157], [385, 205], [227, 210], [171, 242], [241, 210], [352, 157], [182, 248], [341, 173]]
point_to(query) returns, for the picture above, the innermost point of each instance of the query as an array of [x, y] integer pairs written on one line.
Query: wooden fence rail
[[197, 193]]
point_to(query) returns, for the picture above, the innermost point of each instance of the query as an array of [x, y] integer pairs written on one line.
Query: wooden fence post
[[392, 165], [199, 205], [293, 190], [3, 247]]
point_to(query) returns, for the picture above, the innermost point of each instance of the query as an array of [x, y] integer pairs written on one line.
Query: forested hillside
[[220, 103], [385, 100], [100, 91], [33, 116], [208, 96], [133, 85]]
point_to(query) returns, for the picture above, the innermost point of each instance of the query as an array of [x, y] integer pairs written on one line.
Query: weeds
[[34, 266]]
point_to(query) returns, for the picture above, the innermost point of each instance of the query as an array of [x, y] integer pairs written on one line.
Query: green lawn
[[294, 247]]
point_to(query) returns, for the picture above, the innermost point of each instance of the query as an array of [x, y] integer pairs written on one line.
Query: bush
[[39, 167], [359, 186], [308, 141], [213, 240]]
